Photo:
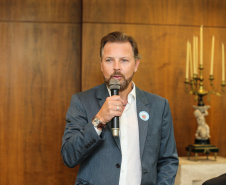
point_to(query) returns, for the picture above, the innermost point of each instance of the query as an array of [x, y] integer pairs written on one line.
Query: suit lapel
[[141, 102], [102, 94]]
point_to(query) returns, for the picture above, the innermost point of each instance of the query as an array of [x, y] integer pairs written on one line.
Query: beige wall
[[49, 50]]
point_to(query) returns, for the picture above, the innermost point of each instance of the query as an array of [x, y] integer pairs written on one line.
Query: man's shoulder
[[149, 96], [152, 100], [90, 92]]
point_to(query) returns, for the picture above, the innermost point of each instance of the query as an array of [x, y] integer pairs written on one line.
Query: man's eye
[[108, 60], [124, 60]]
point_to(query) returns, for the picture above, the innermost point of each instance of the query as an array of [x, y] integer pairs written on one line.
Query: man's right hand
[[113, 106]]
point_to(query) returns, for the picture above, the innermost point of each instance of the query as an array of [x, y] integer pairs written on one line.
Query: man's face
[[118, 62]]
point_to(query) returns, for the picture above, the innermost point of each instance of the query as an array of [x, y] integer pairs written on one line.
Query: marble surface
[[191, 172]]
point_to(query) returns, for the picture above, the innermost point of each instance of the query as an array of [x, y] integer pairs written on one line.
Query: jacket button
[[117, 165]]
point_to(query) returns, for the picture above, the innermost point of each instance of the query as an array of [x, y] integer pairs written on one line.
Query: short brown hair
[[120, 37]]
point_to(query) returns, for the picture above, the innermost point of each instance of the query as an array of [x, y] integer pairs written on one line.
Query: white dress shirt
[[130, 173]]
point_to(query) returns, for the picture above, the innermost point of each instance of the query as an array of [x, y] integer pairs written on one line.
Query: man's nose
[[117, 65]]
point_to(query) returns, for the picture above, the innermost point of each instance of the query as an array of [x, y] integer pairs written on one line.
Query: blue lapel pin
[[144, 115]]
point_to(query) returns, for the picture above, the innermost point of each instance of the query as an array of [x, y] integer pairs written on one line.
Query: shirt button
[[117, 165]]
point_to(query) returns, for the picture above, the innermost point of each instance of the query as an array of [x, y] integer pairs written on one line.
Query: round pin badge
[[144, 115]]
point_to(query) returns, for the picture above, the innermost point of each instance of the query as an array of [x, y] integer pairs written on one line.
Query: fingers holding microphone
[[112, 107]]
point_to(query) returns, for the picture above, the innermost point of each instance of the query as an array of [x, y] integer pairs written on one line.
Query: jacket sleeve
[[168, 158], [80, 137]]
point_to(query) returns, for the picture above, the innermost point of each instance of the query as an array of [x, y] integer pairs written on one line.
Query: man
[[145, 151]]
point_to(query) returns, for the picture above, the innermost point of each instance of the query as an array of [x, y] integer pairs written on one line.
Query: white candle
[[197, 58], [212, 56], [201, 44], [223, 64], [194, 55], [187, 61], [190, 61]]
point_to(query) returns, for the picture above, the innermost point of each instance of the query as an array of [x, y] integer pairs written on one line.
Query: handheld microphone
[[114, 86]]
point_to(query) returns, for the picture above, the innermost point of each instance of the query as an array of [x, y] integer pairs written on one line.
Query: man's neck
[[124, 94]]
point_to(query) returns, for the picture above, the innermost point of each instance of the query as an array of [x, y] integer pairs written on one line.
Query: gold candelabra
[[197, 86], [196, 81]]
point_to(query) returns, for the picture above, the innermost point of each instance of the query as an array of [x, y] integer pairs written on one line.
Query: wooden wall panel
[[39, 73], [41, 10], [40, 48], [162, 71], [40, 55], [173, 12]]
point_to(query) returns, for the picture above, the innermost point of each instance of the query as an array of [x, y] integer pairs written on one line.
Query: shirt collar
[[130, 95]]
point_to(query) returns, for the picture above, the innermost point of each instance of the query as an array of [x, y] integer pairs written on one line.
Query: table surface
[[201, 160], [191, 172]]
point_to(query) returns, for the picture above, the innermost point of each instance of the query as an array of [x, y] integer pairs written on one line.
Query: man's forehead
[[120, 47]]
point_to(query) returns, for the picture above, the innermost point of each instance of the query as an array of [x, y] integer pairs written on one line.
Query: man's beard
[[124, 84]]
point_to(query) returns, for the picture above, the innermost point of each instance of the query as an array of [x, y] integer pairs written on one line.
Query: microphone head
[[114, 84]]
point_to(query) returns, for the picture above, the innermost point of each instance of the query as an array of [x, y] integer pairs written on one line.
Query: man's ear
[[137, 62]]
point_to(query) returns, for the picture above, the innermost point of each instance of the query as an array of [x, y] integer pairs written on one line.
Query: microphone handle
[[115, 120], [115, 126]]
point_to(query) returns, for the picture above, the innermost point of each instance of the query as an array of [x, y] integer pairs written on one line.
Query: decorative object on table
[[203, 131], [195, 86]]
